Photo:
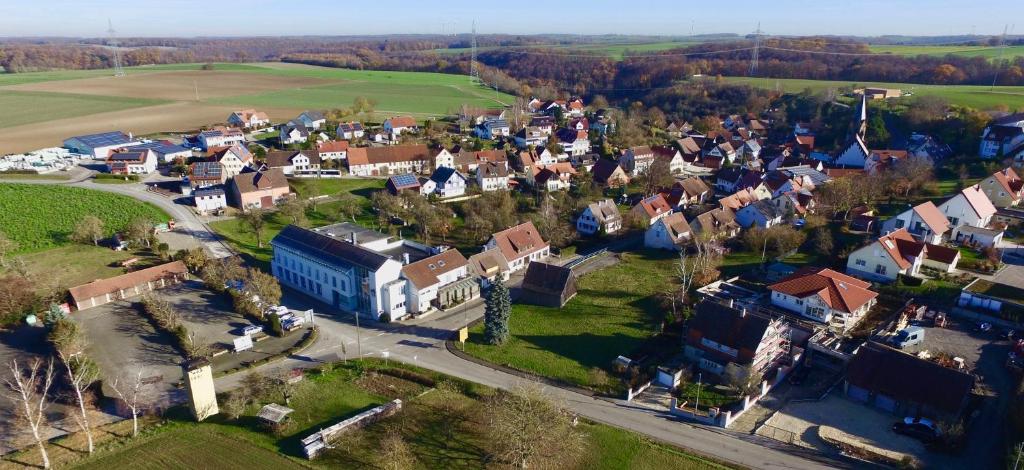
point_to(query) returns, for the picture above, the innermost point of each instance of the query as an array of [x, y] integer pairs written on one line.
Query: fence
[[316, 443], [726, 418], [585, 258], [630, 394]]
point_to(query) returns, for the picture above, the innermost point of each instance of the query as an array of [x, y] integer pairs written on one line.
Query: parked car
[[908, 336], [918, 428], [251, 330]]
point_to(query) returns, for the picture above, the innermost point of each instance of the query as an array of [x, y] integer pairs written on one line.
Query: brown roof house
[[716, 223], [721, 337], [389, 160], [489, 265], [650, 210], [439, 281], [824, 295], [519, 245], [906, 385], [924, 221], [899, 253], [548, 285], [670, 233], [102, 291], [608, 173], [1004, 188], [259, 188]]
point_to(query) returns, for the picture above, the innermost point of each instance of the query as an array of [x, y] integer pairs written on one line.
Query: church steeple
[[862, 126]]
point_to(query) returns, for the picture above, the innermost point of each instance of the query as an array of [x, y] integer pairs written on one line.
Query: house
[[906, 385], [390, 160], [248, 119], [548, 285], [573, 142], [609, 174], [579, 124], [855, 154], [899, 253], [924, 221], [530, 136], [545, 124], [676, 164], [879, 93], [881, 160], [445, 182], [99, 146], [492, 129], [720, 336], [165, 151], [690, 149], [599, 217], [534, 157], [723, 152], [345, 273], [131, 162], [203, 174], [492, 176], [438, 282], [312, 120], [804, 143], [552, 177], [575, 107], [795, 203], [1004, 188], [398, 183], [980, 237], [397, 125], [824, 295], [519, 245], [970, 207], [750, 150], [220, 137], [103, 291], [475, 116], [350, 130], [729, 180], [468, 162], [259, 188], [636, 160], [715, 223], [293, 162], [763, 214], [333, 150], [209, 200], [232, 159], [1003, 138], [695, 191], [650, 210], [294, 132], [738, 200], [926, 146], [678, 128], [670, 233], [489, 266]]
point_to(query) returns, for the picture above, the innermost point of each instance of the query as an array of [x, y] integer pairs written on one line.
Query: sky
[[189, 18]]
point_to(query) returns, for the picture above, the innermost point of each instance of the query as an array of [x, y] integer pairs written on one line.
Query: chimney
[[405, 258], [352, 237], [130, 136]]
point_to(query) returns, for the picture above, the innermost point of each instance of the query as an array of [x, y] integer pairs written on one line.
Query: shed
[[548, 285], [274, 414]]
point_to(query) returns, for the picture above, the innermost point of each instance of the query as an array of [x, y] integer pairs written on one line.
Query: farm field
[[39, 217], [44, 107], [976, 96], [615, 310], [964, 51]]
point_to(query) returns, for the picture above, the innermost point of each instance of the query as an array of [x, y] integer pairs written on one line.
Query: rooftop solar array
[[104, 139], [206, 169], [407, 179], [161, 147], [127, 156]]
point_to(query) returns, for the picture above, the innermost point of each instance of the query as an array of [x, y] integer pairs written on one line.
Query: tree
[[394, 453], [29, 389], [54, 314], [17, 295], [552, 221], [133, 395], [163, 250], [350, 206], [656, 176], [498, 305], [88, 230], [911, 174], [138, 231], [195, 259], [255, 219], [6, 246], [387, 207], [264, 286], [821, 237], [528, 424], [877, 132], [82, 373], [295, 210]]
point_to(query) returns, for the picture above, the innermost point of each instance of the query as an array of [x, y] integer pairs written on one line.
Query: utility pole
[[112, 41], [757, 50], [696, 405], [474, 72], [999, 60]]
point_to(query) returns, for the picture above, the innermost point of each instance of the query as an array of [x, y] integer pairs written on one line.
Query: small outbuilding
[[548, 285]]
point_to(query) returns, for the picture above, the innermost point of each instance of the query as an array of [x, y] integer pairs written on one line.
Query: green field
[[43, 107], [39, 217], [963, 51], [55, 75], [981, 97], [615, 311]]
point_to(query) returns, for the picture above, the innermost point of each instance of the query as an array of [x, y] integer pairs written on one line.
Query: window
[[861, 262], [799, 301], [880, 269]]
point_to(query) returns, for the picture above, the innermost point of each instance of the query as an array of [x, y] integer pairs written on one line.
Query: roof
[[932, 217], [128, 156], [260, 180], [443, 174], [543, 173], [282, 158], [654, 206], [887, 371], [313, 115], [488, 263], [424, 273], [694, 186], [604, 169], [900, 245], [979, 201], [768, 209], [274, 413], [333, 146], [492, 170], [350, 126], [405, 181], [817, 178], [205, 170], [402, 121], [838, 291], [239, 151], [1009, 180], [605, 210], [569, 136], [205, 192], [729, 326], [465, 158], [942, 254], [389, 154], [738, 200], [125, 281], [688, 146], [676, 225], [328, 249], [162, 147], [518, 241], [547, 279], [103, 139]]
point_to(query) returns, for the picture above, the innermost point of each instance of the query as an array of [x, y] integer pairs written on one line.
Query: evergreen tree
[[496, 313]]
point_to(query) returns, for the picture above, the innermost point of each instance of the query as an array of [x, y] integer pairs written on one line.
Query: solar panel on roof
[[104, 139], [405, 180]]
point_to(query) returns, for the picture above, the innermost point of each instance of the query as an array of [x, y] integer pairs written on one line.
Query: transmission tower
[[474, 71], [112, 41], [757, 50], [999, 60]]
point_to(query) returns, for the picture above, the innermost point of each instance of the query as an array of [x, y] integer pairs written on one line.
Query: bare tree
[[255, 219], [350, 206], [29, 389], [528, 423], [699, 268], [88, 230], [395, 453], [81, 375], [132, 396]]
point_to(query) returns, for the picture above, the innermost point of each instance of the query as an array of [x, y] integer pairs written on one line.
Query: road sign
[[463, 334], [243, 343], [308, 315]]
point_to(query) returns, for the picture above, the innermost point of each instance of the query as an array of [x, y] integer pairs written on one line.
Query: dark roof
[[404, 181], [161, 147], [729, 326], [103, 139], [258, 180], [209, 192], [282, 158], [884, 370], [443, 174], [548, 280], [328, 249], [603, 169], [205, 170]]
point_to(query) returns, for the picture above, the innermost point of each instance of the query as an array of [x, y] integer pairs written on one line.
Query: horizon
[[320, 18]]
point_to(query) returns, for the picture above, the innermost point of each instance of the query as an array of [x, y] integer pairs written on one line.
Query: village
[[824, 299]]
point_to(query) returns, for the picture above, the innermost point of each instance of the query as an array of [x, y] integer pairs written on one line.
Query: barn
[[548, 285], [102, 291]]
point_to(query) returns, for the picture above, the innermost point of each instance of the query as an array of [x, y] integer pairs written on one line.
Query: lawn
[[43, 107], [55, 75], [964, 51], [39, 217], [981, 97], [709, 395], [614, 313], [79, 264]]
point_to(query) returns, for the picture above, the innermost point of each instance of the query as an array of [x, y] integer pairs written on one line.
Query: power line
[[118, 71], [474, 72], [757, 46], [999, 60]]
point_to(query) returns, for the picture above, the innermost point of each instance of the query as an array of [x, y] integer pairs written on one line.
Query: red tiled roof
[[838, 291], [932, 216], [519, 241]]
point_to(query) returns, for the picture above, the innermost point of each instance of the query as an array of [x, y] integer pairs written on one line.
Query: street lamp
[[696, 406]]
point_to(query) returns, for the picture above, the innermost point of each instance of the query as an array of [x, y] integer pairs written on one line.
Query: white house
[[855, 154], [1003, 137], [573, 142], [763, 214], [220, 137], [313, 120], [294, 132], [601, 216], [676, 163], [924, 221], [531, 135], [249, 119], [397, 125], [389, 160], [519, 245], [209, 200], [651, 209], [445, 182], [636, 160], [823, 295], [669, 233], [291, 162], [552, 177], [492, 176], [232, 160], [492, 128], [429, 282], [131, 162], [899, 253], [333, 150], [165, 151], [969, 207], [350, 130]]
